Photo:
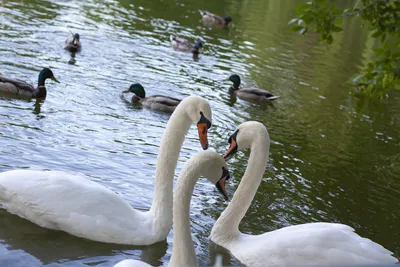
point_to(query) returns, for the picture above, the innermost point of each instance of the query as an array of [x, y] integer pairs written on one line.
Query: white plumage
[[75, 204], [311, 244], [208, 164]]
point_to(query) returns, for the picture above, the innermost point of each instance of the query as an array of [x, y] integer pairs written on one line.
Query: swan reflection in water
[[48, 246]]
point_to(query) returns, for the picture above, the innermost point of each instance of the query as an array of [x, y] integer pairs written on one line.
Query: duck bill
[[75, 42], [231, 150], [202, 130], [221, 188], [54, 79], [125, 91]]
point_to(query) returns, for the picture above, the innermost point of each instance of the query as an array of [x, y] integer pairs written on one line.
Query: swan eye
[[203, 119]]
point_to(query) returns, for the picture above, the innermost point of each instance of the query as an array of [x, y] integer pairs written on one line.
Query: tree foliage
[[382, 73]]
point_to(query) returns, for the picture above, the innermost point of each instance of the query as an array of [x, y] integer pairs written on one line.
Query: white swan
[[307, 244], [205, 163], [81, 207]]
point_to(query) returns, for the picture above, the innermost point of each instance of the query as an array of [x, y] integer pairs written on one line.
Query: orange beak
[[231, 150], [202, 130]]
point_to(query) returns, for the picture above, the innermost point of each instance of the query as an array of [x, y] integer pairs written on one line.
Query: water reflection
[[37, 106], [227, 260], [72, 60], [52, 246]]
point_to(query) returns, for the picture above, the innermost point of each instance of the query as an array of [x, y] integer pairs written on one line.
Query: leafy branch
[[383, 18]]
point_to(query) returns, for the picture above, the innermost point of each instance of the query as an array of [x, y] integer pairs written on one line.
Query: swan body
[[155, 102], [132, 263], [310, 244], [205, 163], [73, 43], [81, 207], [21, 88], [182, 44], [212, 19], [250, 94]]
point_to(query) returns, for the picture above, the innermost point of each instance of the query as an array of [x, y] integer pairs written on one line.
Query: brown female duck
[[212, 19], [182, 44], [73, 43]]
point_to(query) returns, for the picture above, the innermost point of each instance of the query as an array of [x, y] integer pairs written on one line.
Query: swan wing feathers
[[310, 244], [67, 202]]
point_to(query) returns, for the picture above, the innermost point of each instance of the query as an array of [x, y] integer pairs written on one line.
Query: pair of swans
[[74, 204], [311, 244]]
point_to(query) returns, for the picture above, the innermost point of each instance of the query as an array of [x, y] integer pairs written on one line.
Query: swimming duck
[[210, 18], [252, 94], [181, 44], [156, 102], [22, 88], [72, 43]]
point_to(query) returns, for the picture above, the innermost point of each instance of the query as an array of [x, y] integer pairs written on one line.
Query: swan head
[[214, 168], [199, 111], [244, 136]]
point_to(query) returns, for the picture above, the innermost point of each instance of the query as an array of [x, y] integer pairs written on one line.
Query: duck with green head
[[73, 43], [182, 44], [250, 94], [212, 19], [21, 88], [156, 102]]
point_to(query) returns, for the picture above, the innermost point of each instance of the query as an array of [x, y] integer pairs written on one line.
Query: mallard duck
[[22, 88], [72, 43], [252, 94], [181, 44], [210, 18], [156, 102]]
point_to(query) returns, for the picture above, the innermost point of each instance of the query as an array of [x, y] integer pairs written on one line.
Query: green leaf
[[336, 28], [303, 31], [377, 34], [292, 21], [383, 37], [329, 39], [297, 28]]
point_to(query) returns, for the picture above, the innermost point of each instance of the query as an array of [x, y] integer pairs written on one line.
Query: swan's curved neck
[[183, 253], [171, 143], [227, 225]]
